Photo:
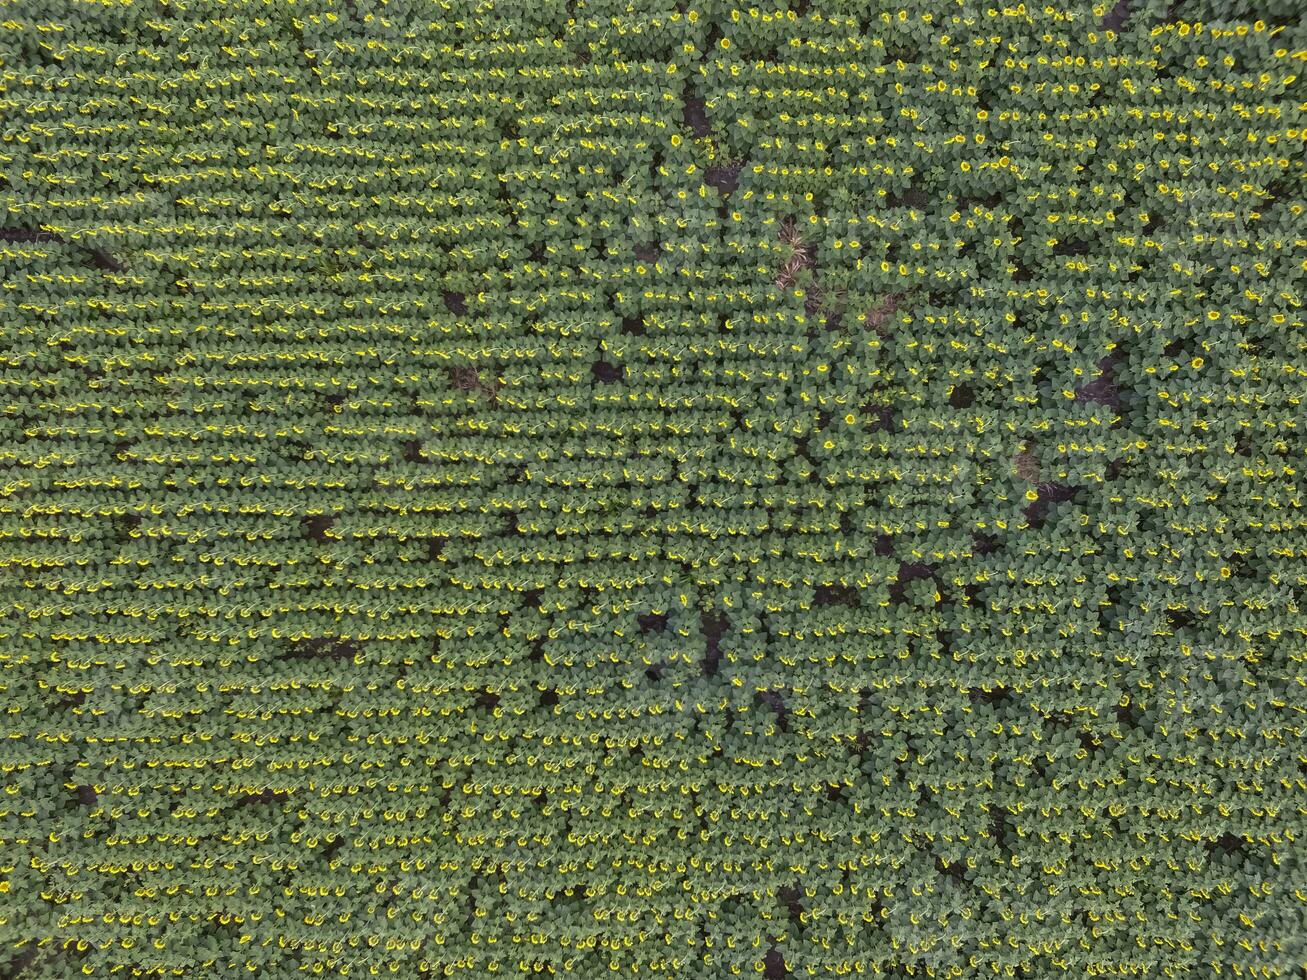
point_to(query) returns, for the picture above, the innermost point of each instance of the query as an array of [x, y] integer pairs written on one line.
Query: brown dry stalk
[[800, 258], [879, 316], [1027, 466], [469, 379]]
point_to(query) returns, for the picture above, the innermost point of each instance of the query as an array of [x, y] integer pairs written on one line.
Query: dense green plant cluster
[[655, 489]]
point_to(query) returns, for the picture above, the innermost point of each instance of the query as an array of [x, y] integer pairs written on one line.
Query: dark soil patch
[[652, 622], [835, 595], [317, 526], [912, 197], [712, 625], [1227, 842], [1117, 16], [724, 178], [28, 235], [693, 113], [1101, 391], [100, 258], [1058, 493], [885, 417], [987, 695], [955, 870], [1179, 618], [606, 373], [1071, 248], [773, 965], [103, 260], [910, 571], [1049, 494], [325, 647], [789, 896]]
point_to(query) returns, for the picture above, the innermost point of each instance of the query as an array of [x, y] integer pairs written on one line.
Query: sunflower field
[[653, 488]]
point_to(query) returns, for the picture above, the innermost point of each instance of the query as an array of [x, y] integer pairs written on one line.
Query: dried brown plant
[[799, 258], [1026, 465], [878, 317], [468, 378]]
